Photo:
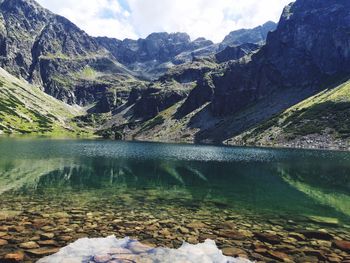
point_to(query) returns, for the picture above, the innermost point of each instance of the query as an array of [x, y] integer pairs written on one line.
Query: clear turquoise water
[[262, 181]]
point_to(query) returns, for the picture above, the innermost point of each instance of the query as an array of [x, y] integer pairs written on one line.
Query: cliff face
[[50, 51], [21, 24], [310, 47]]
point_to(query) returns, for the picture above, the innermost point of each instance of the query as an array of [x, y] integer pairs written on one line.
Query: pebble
[[232, 234], [3, 242], [270, 238], [343, 245], [16, 256], [196, 225], [322, 235], [279, 256], [29, 245], [47, 236], [233, 252]]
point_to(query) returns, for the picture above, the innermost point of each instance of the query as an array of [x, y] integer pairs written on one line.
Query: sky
[[212, 19]]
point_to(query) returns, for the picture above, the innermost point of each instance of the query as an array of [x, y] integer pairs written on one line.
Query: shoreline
[[176, 142]]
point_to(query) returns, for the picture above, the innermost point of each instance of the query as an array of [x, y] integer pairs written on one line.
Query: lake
[[262, 204]]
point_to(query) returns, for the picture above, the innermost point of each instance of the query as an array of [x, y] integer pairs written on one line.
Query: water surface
[[134, 183]]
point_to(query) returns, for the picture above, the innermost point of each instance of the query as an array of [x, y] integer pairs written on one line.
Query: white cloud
[[199, 18], [96, 17]]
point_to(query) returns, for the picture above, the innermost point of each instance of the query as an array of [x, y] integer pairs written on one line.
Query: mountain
[[50, 51], [255, 35], [309, 49], [153, 56], [26, 109], [102, 74], [308, 53], [321, 121], [161, 47], [272, 85]]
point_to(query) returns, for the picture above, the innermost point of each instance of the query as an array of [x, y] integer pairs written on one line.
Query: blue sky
[[125, 5], [121, 19]]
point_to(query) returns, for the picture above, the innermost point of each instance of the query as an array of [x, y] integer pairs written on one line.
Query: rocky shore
[[310, 142], [35, 226]]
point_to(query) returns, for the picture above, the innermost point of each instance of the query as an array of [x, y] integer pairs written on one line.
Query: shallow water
[[129, 189]]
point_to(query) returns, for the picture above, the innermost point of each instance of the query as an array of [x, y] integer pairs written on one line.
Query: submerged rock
[[3, 242], [7, 214], [343, 245], [323, 235], [324, 220], [29, 245], [280, 256], [196, 225], [47, 236], [14, 257], [269, 238]]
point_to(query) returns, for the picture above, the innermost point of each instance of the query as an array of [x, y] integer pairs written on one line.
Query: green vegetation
[[325, 113], [25, 109], [328, 110], [158, 120], [87, 73], [57, 55]]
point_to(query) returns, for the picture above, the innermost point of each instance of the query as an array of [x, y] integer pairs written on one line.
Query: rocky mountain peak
[[169, 37], [25, 8], [255, 35], [310, 47]]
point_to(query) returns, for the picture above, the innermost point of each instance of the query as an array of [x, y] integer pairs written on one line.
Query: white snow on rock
[[113, 250]]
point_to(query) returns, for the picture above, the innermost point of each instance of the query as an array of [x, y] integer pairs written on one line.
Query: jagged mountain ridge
[[50, 51], [154, 55]]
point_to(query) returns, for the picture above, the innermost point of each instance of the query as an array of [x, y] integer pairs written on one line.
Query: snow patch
[[111, 249]]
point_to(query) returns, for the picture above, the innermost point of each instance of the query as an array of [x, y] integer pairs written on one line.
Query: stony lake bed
[[261, 204]]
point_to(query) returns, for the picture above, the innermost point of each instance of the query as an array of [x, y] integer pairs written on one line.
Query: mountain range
[[279, 84]]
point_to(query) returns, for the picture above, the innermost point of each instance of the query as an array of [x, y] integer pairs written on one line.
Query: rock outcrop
[[148, 103], [236, 52], [309, 49]]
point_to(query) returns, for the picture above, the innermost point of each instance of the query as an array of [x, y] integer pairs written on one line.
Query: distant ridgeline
[[168, 87]]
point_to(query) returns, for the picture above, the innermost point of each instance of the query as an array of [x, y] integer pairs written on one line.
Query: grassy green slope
[[321, 121], [25, 109]]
